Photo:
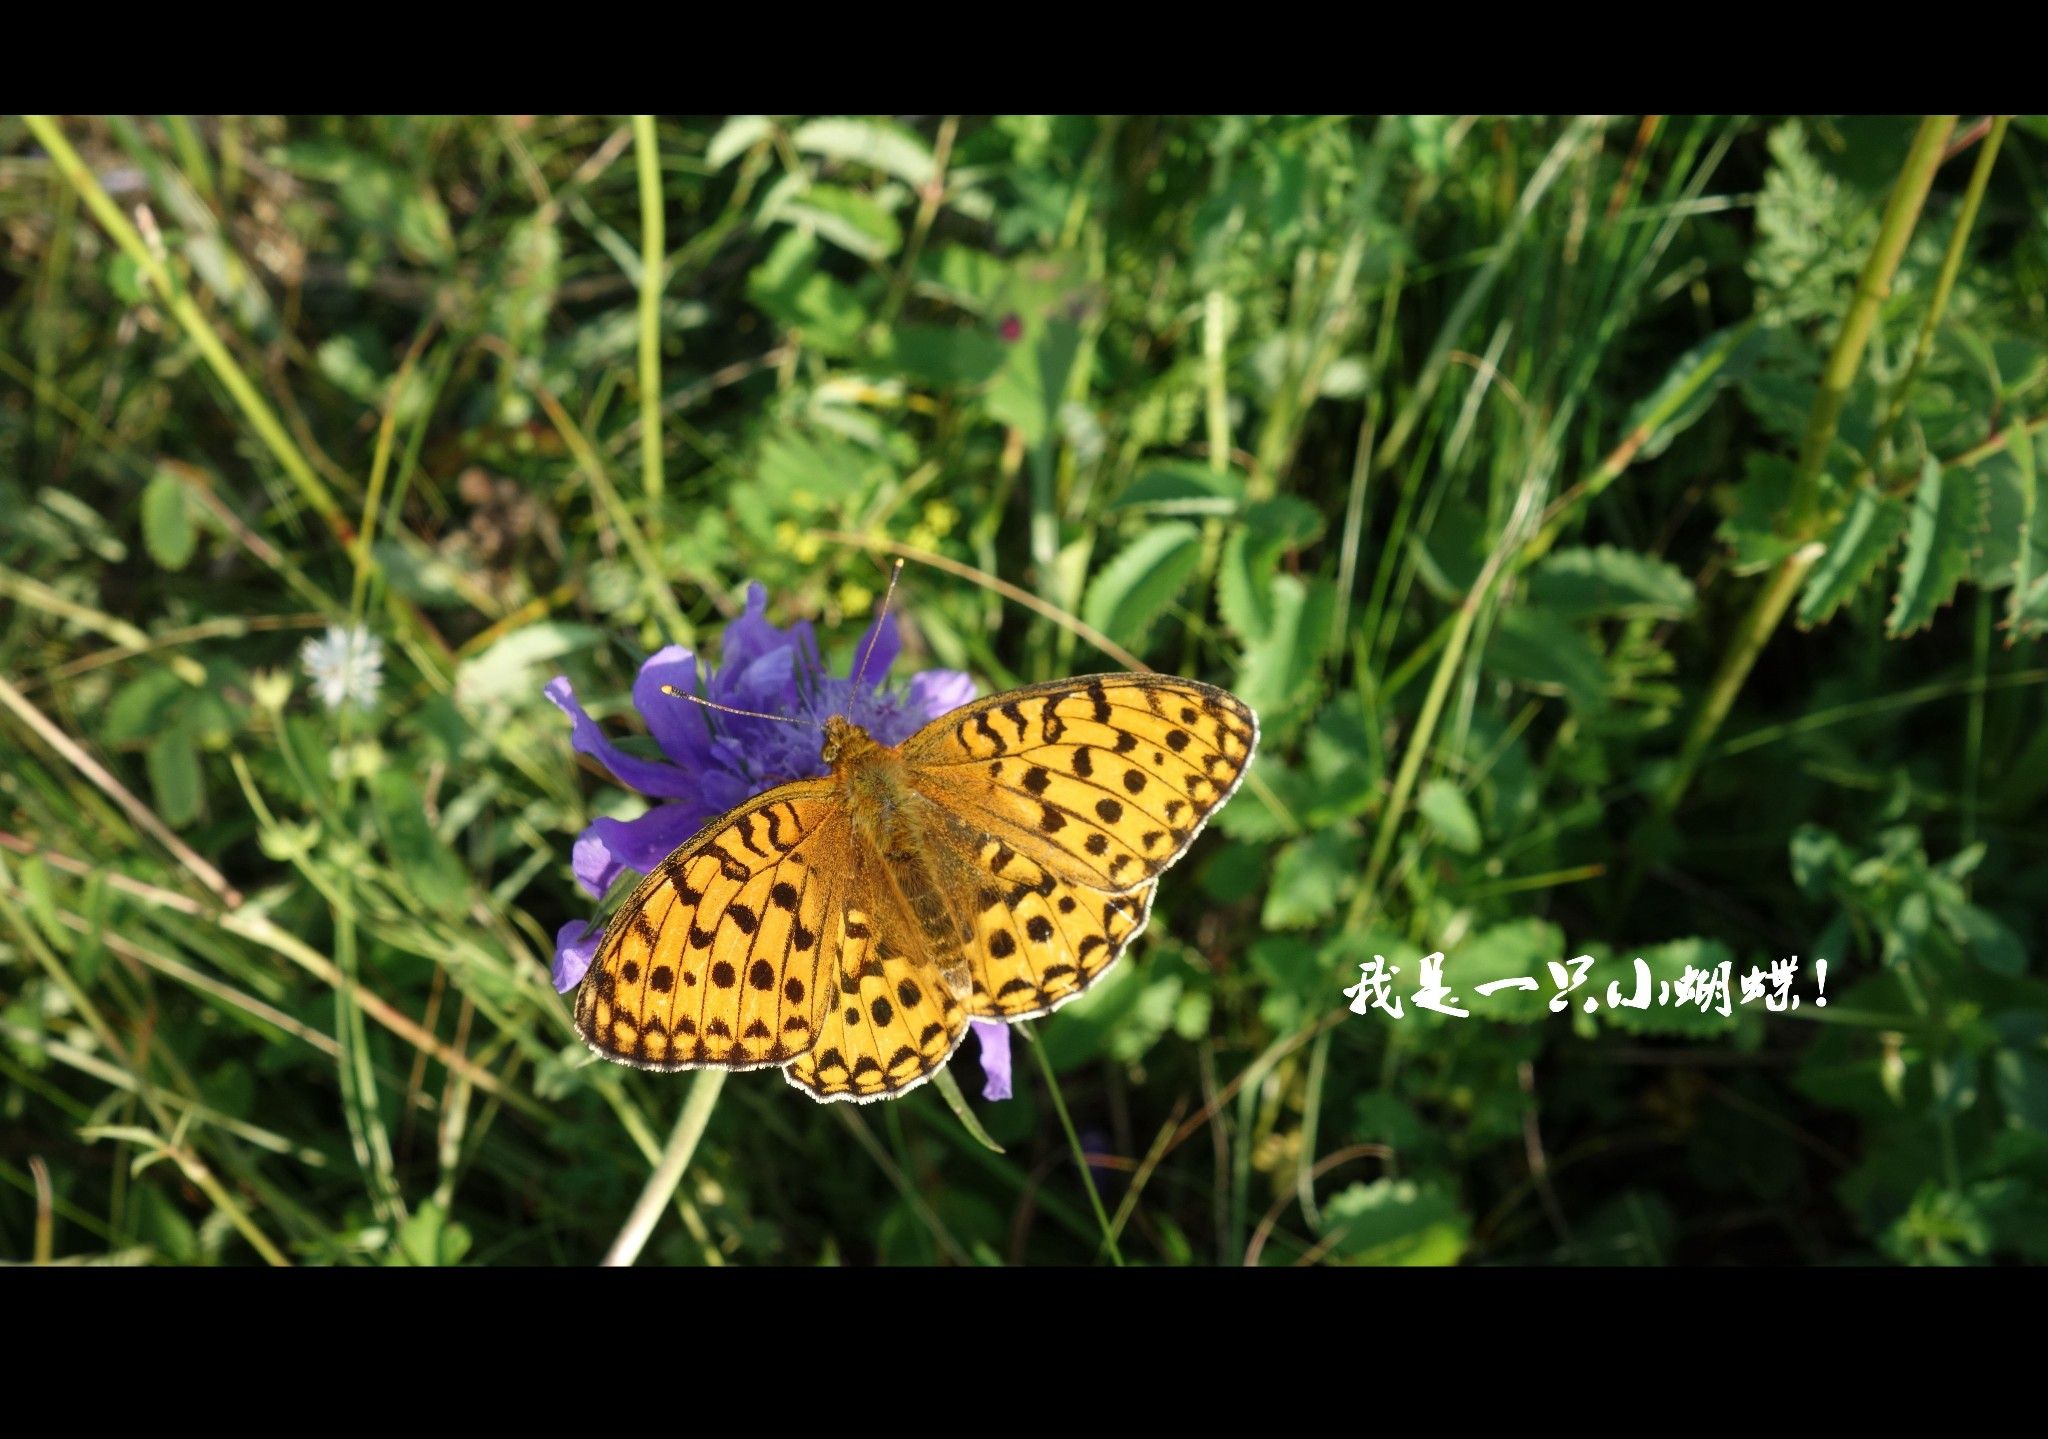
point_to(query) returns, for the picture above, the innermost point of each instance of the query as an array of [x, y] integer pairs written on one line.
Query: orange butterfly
[[991, 866]]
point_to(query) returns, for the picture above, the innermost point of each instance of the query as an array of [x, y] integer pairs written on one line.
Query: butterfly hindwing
[[1039, 941], [723, 954], [896, 1016]]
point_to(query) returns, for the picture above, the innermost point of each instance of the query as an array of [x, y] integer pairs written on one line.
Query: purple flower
[[995, 1057], [714, 761]]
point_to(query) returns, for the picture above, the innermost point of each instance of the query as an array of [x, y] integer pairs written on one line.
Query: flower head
[[714, 761], [345, 665]]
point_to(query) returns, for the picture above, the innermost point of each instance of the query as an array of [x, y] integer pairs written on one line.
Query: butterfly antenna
[[673, 693], [876, 633]]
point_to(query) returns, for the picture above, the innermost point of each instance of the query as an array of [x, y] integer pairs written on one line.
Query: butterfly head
[[845, 741]]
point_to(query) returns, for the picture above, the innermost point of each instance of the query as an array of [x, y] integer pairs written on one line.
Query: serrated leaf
[[1948, 515], [890, 148], [1601, 582], [1132, 590], [1251, 560], [1751, 526], [1180, 487], [167, 529], [734, 138], [1279, 666], [1857, 547], [1309, 877], [1448, 813]]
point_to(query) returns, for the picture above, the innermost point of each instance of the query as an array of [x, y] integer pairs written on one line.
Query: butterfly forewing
[[1103, 781], [724, 953]]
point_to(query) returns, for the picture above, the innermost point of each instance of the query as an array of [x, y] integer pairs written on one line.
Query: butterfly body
[[991, 866]]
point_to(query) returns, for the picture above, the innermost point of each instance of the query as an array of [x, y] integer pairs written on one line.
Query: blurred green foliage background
[[1628, 530]]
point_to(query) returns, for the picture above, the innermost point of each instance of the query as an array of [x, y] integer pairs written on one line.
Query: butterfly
[[991, 866]]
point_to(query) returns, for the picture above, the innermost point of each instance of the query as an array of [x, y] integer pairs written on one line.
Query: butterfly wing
[[724, 954], [1103, 781], [1068, 801], [1039, 940], [897, 1013]]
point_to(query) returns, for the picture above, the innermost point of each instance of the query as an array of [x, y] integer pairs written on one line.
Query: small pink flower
[[1010, 329]]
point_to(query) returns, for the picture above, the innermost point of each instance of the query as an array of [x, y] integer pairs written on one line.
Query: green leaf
[[428, 864], [1602, 582], [430, 1238], [1445, 808], [173, 762], [1688, 391], [1855, 550], [1132, 590], [1251, 559], [1279, 667], [1309, 877], [1667, 962], [1988, 939], [1181, 487], [1948, 515], [881, 145], [1538, 648], [509, 670], [167, 529], [789, 286], [1517, 949], [735, 137], [944, 355], [1032, 384], [383, 199], [846, 218], [1751, 528], [1394, 1221]]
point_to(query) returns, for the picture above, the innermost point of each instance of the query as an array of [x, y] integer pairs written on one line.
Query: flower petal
[[887, 642], [936, 692], [594, 864], [677, 725], [750, 636], [649, 776], [642, 844], [575, 946], [995, 1058]]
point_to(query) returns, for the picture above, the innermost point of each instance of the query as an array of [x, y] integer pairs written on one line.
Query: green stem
[[1901, 213], [1750, 638], [1413, 755], [181, 305], [652, 243], [668, 1174], [1059, 1105]]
